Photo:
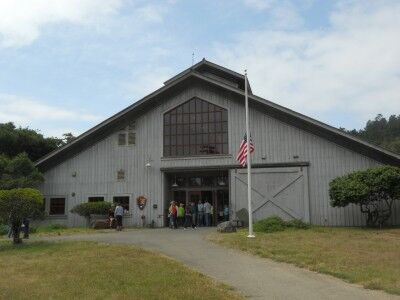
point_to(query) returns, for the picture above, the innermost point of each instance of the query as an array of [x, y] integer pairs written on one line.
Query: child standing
[[181, 214]]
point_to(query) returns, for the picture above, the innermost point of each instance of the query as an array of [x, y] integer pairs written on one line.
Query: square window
[[96, 199], [194, 181], [123, 200], [122, 139], [131, 138], [57, 206]]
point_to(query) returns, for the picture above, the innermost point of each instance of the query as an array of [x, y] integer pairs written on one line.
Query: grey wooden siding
[[276, 142]]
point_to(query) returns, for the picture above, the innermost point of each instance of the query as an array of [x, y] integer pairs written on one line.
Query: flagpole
[[251, 235]]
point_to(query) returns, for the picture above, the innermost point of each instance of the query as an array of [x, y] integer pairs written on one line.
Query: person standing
[[111, 218], [173, 211], [207, 213], [188, 217], [226, 212], [193, 208], [200, 212], [118, 213], [25, 223], [181, 214]]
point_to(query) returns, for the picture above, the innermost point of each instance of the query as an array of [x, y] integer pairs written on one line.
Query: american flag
[[242, 154]]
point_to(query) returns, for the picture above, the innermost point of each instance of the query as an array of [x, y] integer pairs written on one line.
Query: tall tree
[[14, 141]]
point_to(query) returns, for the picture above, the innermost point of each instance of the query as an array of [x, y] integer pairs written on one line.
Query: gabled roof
[[221, 73], [197, 73]]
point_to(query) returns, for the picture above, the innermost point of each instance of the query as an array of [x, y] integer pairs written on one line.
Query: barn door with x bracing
[[281, 192]]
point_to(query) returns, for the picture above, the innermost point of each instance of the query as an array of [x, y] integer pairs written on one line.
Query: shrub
[[275, 223], [3, 229], [17, 204], [91, 208], [373, 190], [271, 224], [299, 224]]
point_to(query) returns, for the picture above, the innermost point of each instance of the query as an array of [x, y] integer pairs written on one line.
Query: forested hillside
[[15, 140], [381, 131]]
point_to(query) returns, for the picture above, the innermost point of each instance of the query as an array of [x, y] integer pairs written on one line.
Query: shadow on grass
[[28, 247]]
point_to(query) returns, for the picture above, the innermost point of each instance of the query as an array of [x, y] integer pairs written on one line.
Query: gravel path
[[254, 277]]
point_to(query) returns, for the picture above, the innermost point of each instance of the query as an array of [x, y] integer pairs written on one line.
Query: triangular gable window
[[196, 127]]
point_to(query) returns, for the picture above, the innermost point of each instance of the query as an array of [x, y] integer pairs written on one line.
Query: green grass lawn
[[84, 270], [364, 256]]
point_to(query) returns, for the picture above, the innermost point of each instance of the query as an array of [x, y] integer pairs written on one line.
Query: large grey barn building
[[180, 143]]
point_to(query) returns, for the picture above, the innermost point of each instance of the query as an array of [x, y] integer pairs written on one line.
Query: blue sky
[[66, 65]]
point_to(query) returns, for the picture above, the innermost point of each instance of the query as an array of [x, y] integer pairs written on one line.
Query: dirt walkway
[[252, 276]]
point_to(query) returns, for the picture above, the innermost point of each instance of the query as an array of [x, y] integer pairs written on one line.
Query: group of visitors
[[24, 227], [193, 215]]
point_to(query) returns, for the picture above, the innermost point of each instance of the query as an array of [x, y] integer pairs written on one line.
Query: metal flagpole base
[[251, 236]]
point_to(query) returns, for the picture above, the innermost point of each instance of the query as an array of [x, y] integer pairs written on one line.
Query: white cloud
[[146, 83], [24, 111], [259, 4], [21, 21], [352, 66]]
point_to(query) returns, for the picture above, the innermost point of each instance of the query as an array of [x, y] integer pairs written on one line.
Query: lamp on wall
[[148, 164], [221, 180], [175, 184]]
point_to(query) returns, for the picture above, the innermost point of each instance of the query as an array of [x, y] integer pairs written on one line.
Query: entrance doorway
[[188, 187]]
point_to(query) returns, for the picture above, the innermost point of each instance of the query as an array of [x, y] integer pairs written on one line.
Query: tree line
[[381, 131], [19, 178]]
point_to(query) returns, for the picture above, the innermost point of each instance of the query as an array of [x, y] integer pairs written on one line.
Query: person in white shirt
[[207, 213], [200, 214], [118, 213]]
